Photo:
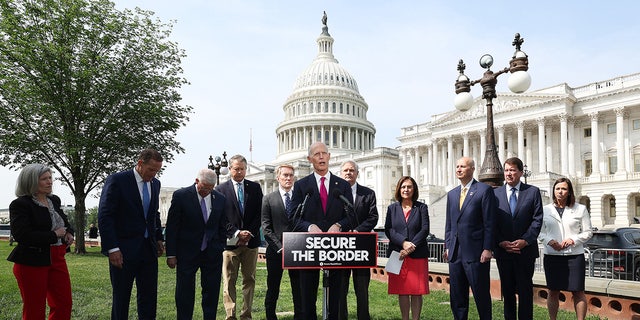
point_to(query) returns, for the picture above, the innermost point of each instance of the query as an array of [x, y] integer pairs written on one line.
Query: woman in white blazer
[[566, 226]]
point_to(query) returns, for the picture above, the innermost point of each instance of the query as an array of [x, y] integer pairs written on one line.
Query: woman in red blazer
[[43, 234]]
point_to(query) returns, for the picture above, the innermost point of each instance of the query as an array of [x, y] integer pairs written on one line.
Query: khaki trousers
[[241, 259]]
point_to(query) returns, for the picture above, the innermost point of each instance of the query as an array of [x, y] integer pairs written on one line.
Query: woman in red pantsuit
[[407, 227], [43, 235]]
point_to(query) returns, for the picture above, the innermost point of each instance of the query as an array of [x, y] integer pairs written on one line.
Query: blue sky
[[244, 56]]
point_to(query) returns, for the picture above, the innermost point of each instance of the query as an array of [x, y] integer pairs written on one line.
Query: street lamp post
[[220, 166], [526, 173], [491, 171]]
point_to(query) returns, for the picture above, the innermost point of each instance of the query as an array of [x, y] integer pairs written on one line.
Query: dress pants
[[274, 277], [144, 270], [42, 285], [361, 279], [210, 277], [241, 259], [516, 277], [462, 275]]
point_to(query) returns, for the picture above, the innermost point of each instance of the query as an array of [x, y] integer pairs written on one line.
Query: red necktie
[[323, 195]]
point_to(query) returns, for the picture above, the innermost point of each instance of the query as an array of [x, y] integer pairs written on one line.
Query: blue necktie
[[241, 198], [287, 203], [205, 216], [146, 201], [513, 201]]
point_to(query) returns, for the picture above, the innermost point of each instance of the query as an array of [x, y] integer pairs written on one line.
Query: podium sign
[[304, 250]]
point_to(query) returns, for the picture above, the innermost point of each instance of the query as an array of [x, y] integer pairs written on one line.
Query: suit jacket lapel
[[235, 195], [358, 201], [332, 185], [467, 198], [134, 185]]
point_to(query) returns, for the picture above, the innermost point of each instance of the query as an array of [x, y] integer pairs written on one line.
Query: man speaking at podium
[[321, 213]]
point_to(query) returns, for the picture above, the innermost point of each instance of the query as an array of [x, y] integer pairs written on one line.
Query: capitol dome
[[325, 105]]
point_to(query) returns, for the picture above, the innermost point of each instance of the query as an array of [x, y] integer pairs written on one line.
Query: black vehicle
[[615, 253]]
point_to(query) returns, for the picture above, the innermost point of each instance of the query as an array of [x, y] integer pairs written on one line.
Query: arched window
[[341, 109], [333, 107], [326, 107]]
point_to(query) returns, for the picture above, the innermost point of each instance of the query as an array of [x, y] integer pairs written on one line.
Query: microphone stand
[[325, 294]]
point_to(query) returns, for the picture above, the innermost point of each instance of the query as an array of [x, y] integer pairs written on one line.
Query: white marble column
[[416, 164], [450, 160], [620, 129], [521, 154], [314, 135], [500, 143], [529, 150], [429, 165], [595, 145], [511, 149], [542, 146], [549, 140], [434, 169], [475, 150], [564, 159], [483, 150], [465, 144], [403, 153], [571, 128], [444, 172]]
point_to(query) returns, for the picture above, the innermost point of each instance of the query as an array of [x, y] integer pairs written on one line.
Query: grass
[[92, 294]]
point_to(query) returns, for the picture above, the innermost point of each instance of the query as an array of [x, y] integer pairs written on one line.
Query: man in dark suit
[[518, 223], [129, 223], [322, 213], [275, 221], [195, 239], [366, 218], [469, 241], [243, 205]]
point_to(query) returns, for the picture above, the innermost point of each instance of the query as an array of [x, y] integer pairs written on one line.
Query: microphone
[[338, 195], [301, 206]]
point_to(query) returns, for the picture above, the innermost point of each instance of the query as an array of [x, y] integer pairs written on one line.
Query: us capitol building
[[590, 134]]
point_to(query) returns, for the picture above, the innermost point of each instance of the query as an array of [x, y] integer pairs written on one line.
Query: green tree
[[84, 87]]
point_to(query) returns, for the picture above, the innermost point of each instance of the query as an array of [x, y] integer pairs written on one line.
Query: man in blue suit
[[469, 241], [196, 237], [129, 223], [322, 213], [243, 207], [518, 223]]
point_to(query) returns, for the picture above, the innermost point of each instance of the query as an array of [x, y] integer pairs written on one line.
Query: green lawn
[[92, 294]]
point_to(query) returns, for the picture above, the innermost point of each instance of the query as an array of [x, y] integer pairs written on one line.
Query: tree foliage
[[84, 87]]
